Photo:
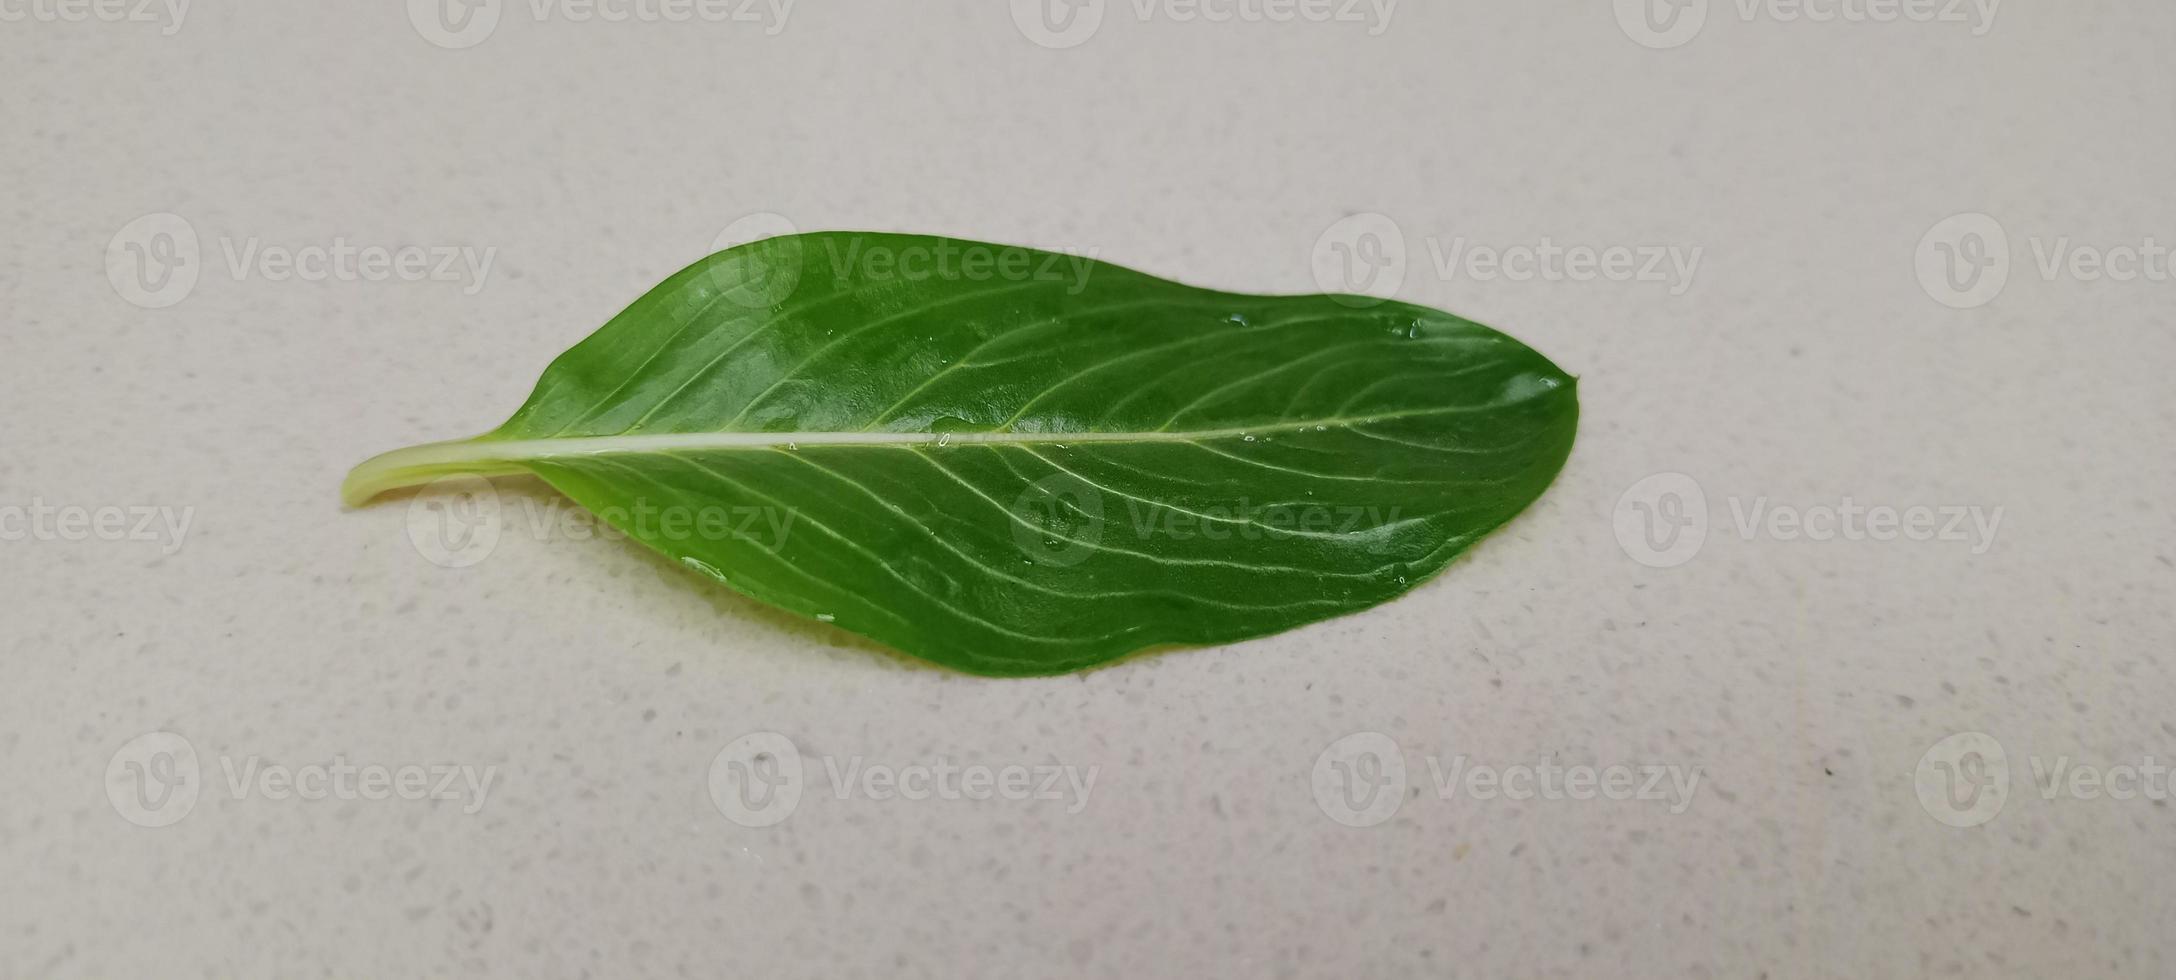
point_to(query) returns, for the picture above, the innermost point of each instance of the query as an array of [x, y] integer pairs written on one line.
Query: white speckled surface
[[1805, 363]]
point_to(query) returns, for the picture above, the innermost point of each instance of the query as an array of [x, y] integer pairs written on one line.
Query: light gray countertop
[[1931, 743]]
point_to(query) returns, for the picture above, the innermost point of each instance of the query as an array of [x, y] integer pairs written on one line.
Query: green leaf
[[1016, 462]]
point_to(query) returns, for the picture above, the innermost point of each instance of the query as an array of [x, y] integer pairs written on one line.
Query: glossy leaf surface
[[1017, 462]]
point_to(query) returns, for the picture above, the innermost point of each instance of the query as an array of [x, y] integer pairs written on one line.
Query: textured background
[[1808, 361]]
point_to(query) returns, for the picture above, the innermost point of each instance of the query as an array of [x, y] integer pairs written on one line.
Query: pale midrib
[[421, 464]]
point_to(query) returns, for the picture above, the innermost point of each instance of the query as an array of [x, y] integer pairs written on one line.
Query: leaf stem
[[417, 465]]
